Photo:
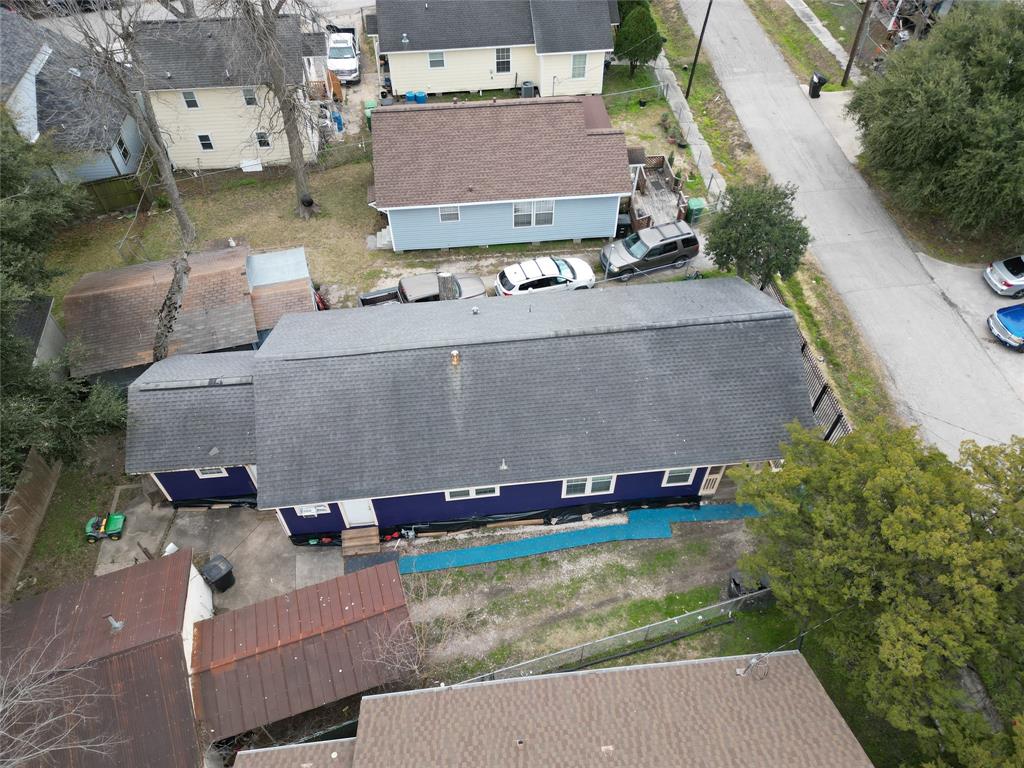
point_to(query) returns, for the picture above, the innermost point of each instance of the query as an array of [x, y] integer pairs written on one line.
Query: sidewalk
[[942, 377]]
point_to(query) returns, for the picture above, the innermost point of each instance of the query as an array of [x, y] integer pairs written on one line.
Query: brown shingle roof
[[513, 149], [270, 302], [111, 316], [295, 652], [698, 713], [139, 672], [321, 754]]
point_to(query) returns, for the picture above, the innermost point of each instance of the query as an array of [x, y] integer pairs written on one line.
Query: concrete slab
[[316, 564], [146, 525], [831, 108]]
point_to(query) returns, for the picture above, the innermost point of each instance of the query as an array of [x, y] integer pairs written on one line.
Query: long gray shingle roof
[[553, 25], [354, 404]]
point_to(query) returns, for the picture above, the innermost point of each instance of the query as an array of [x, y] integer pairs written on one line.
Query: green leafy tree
[[38, 407], [903, 555], [638, 40], [757, 233], [943, 127], [625, 6]]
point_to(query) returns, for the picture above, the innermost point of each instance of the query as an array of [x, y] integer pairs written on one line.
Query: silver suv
[[666, 245]]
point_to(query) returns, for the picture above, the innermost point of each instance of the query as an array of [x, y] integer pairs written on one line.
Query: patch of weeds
[[655, 562], [522, 567], [800, 48], [696, 548], [798, 301], [501, 655], [240, 184], [529, 601]]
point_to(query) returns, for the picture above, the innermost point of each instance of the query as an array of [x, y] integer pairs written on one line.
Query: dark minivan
[[665, 245]]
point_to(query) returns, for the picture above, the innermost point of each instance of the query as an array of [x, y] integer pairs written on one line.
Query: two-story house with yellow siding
[[212, 99], [449, 46]]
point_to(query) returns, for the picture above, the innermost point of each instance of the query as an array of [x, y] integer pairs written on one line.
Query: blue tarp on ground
[[643, 524]]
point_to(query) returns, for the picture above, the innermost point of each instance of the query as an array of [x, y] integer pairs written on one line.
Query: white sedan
[[544, 274]]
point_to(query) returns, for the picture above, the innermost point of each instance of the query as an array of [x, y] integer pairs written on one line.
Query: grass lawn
[[259, 209], [840, 17], [639, 114], [734, 157], [802, 50]]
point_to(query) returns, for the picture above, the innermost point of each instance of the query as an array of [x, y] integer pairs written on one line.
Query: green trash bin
[[370, 105], [695, 208]]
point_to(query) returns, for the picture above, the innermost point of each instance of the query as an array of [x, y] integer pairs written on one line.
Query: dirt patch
[[514, 610]]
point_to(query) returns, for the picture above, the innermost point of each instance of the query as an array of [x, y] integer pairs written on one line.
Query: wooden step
[[360, 541]]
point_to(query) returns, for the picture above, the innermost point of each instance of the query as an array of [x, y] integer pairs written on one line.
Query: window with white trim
[[502, 60], [579, 66], [448, 213], [436, 59], [126, 154], [249, 96], [312, 510], [206, 472], [459, 494], [191, 102], [588, 486], [678, 476], [539, 213], [205, 142], [263, 139]]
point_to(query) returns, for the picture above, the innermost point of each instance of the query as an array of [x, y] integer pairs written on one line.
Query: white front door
[[711, 481], [358, 512]]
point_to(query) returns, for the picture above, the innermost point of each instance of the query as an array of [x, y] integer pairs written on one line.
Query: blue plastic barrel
[[410, 97], [421, 97]]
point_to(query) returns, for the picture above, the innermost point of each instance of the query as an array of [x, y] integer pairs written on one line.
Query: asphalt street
[[944, 376]]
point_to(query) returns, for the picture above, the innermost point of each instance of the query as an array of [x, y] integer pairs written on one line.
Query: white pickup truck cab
[[343, 53]]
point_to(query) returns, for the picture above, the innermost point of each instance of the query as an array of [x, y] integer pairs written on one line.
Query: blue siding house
[[436, 415], [486, 173]]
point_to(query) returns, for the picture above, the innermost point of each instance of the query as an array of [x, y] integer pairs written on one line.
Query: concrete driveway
[[943, 377]]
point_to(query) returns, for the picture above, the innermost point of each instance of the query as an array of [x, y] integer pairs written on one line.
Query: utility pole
[[856, 41], [700, 41]]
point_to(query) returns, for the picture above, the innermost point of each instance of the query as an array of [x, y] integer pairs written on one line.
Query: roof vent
[[504, 466], [227, 74], [115, 625], [456, 356], [168, 75], [405, 39], [426, 6], [475, 310]]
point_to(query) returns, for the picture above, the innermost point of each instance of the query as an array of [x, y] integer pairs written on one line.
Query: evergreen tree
[[638, 40]]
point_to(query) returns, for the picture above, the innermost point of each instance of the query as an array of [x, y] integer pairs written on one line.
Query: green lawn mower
[[107, 527]]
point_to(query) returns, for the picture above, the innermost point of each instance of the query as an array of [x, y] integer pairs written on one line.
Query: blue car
[[1007, 325]]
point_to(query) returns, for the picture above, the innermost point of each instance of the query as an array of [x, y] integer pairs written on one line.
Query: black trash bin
[[218, 573], [817, 80]]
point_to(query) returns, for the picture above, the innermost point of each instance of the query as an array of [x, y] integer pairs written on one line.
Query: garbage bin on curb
[[695, 207], [218, 573], [817, 80]]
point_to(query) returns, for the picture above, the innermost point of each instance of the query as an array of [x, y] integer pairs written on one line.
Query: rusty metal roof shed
[[295, 652]]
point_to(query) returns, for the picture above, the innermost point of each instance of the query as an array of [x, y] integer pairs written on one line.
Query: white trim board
[[601, 196]]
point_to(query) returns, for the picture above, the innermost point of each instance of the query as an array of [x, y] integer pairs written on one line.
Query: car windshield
[[565, 269], [1015, 266], [341, 52], [635, 246], [505, 282]]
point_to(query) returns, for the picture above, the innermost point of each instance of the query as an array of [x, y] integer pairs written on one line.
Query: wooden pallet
[[360, 541]]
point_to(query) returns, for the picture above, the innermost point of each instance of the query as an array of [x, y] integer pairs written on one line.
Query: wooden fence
[[22, 515], [116, 194]]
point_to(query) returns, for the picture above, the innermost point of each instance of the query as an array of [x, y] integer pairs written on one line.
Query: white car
[[544, 274], [343, 54]]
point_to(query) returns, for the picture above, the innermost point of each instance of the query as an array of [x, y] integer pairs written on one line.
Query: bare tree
[[107, 64], [46, 706], [186, 11], [260, 29]]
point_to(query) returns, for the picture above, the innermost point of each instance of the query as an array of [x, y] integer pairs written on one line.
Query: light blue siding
[[132, 138], [491, 224], [94, 167], [108, 163]]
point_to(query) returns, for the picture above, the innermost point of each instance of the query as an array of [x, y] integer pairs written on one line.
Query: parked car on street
[[419, 288], [1006, 277], [544, 274], [666, 245], [343, 53], [1007, 325]]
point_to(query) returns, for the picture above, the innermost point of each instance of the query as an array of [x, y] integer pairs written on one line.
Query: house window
[[249, 96], [539, 213], [190, 99], [471, 493], [588, 486], [436, 59], [502, 60], [312, 510], [212, 472], [678, 476], [205, 142], [126, 154], [448, 212], [579, 66], [543, 213], [263, 139]]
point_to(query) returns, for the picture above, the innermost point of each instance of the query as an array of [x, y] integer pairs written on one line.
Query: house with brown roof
[[128, 637], [508, 171], [715, 713], [232, 299]]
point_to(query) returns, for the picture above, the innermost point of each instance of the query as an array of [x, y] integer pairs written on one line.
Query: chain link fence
[[632, 641]]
